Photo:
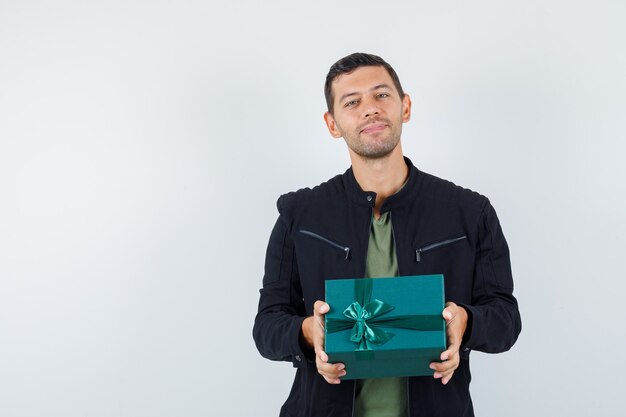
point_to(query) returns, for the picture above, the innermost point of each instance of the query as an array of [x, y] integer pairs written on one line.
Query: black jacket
[[428, 215]]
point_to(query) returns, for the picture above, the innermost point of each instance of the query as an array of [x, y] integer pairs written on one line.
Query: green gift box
[[383, 327]]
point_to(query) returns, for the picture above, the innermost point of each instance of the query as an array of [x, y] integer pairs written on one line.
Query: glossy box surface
[[382, 327]]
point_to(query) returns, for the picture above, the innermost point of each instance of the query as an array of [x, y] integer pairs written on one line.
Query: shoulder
[[446, 192], [321, 193]]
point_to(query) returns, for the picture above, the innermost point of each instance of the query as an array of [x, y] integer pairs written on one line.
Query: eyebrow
[[376, 87]]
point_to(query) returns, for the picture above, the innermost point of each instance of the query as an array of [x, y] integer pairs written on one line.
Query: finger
[[447, 378], [444, 367], [454, 334], [446, 374], [319, 320], [453, 349], [320, 307], [322, 355], [332, 372], [332, 380], [321, 358], [444, 378], [318, 338], [449, 312], [448, 369]]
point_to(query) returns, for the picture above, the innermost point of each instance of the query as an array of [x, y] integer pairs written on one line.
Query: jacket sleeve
[[495, 321], [281, 311]]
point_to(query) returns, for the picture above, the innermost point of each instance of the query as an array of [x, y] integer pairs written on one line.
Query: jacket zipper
[[330, 242], [408, 398], [395, 246], [353, 395], [418, 252], [369, 230]]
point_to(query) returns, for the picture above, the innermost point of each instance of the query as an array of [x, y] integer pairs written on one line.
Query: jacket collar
[[368, 198]]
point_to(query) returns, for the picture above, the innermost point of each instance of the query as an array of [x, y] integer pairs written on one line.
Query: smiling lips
[[373, 128]]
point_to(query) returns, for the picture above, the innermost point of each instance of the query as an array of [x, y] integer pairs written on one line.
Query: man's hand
[[313, 332], [456, 323]]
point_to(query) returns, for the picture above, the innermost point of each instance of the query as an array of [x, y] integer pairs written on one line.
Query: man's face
[[368, 112]]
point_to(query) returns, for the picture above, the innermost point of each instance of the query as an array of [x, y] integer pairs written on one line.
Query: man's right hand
[[313, 332]]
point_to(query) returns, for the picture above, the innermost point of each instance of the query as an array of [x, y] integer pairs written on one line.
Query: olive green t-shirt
[[381, 397]]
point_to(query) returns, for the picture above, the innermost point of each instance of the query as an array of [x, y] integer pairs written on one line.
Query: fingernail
[[341, 367], [342, 373], [432, 366], [447, 315], [444, 357], [436, 375]]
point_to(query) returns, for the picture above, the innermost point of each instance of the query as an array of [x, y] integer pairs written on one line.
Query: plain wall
[[143, 146]]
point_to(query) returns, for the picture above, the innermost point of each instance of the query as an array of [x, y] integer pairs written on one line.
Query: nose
[[373, 112], [370, 108]]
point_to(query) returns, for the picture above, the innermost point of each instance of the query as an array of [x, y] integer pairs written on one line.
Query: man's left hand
[[456, 323]]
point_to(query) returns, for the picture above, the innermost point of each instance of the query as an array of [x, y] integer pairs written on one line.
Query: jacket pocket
[[437, 245], [335, 245]]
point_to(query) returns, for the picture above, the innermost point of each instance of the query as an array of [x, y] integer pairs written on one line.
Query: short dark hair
[[351, 62]]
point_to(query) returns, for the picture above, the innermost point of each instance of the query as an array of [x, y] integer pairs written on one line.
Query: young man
[[343, 228]]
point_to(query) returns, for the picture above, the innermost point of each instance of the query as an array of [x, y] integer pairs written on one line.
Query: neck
[[384, 176]]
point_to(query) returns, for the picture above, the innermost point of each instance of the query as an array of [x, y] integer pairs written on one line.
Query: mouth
[[373, 128]]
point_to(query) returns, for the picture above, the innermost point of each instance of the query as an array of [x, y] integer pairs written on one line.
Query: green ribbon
[[364, 317]]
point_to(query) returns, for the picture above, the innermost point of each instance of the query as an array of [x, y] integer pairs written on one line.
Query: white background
[[143, 146]]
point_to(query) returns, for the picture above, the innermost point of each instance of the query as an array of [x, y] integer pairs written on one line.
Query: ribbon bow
[[363, 332]]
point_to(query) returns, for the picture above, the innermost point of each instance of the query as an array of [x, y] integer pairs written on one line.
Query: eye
[[351, 103], [382, 95]]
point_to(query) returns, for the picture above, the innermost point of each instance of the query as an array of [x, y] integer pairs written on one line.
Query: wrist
[[306, 331], [464, 316]]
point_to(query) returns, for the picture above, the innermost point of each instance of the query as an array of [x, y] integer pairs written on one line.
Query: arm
[[277, 327], [281, 331], [494, 319], [492, 323]]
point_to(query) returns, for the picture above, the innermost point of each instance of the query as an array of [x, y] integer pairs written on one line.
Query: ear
[[331, 124], [406, 108]]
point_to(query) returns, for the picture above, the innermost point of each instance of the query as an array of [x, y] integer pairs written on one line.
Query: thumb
[[449, 312], [321, 307]]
